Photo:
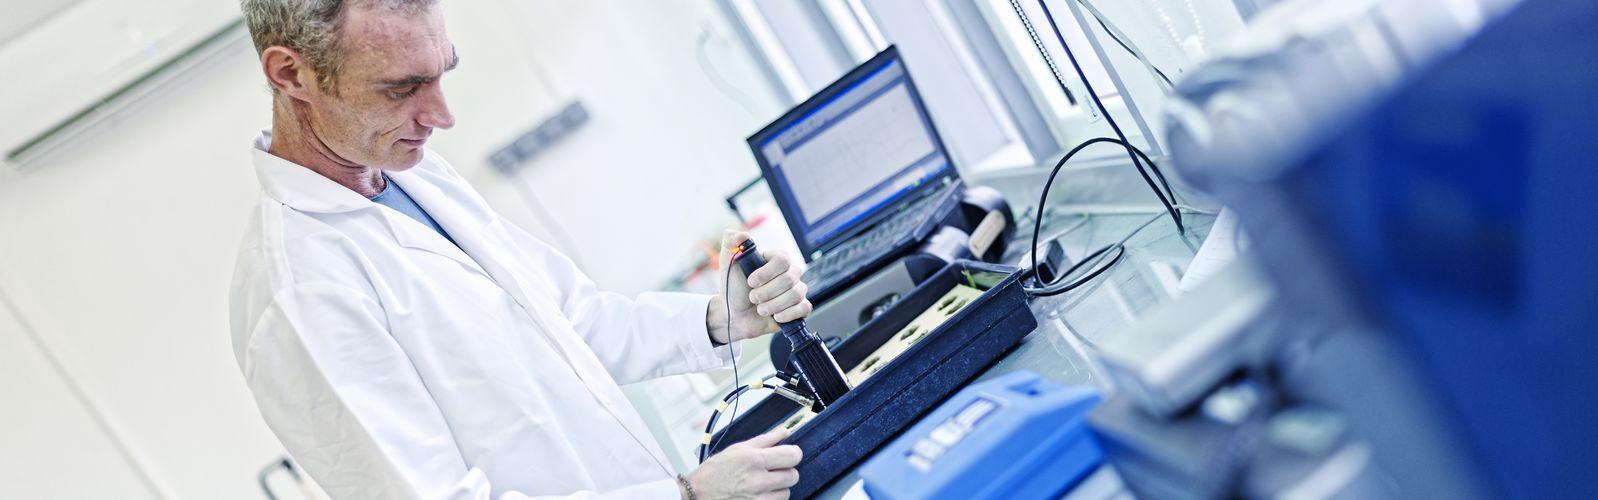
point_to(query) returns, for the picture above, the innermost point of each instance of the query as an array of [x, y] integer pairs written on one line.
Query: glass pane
[[23, 16], [1021, 33], [1174, 35], [856, 33]]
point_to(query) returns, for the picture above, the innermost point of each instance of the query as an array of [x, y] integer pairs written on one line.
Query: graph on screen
[[857, 153]]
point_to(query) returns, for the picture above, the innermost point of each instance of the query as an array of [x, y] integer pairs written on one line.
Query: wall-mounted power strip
[[511, 157]]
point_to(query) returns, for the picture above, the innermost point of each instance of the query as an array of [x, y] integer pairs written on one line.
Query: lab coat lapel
[[464, 227], [471, 230], [468, 221], [410, 233], [300, 187], [413, 234], [471, 223], [308, 191]]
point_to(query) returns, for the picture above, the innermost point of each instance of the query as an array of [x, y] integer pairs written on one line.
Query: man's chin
[[403, 160]]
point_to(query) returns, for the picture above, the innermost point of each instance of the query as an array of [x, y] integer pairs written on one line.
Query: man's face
[[389, 99]]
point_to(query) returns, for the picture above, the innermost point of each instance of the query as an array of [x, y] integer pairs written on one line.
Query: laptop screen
[[851, 151]]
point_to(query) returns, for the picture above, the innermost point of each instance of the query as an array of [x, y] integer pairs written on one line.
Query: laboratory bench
[[1095, 202], [1070, 324]]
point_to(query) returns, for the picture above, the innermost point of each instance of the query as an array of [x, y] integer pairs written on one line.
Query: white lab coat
[[393, 365]]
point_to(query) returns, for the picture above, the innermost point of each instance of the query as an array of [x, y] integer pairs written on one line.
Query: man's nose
[[435, 112]]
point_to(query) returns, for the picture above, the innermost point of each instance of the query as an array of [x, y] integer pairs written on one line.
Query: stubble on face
[[392, 60]]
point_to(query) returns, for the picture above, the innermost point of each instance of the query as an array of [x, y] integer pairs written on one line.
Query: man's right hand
[[758, 468]]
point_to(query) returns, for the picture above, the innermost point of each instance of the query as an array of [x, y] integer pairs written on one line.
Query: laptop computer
[[859, 172]]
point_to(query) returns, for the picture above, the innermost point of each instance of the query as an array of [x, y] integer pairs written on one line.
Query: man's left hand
[[770, 295]]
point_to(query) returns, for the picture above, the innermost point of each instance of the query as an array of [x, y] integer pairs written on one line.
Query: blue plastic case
[[882, 406], [1015, 437]]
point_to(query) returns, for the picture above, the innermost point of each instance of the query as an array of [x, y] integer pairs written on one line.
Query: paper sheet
[[1219, 250]]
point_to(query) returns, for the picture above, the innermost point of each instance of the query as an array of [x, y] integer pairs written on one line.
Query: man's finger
[[773, 495], [769, 439], [732, 237], [729, 239], [780, 479], [776, 265], [782, 293], [784, 300], [773, 288], [797, 312], [782, 457]]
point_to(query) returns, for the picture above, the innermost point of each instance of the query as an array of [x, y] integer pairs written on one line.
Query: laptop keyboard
[[851, 257]]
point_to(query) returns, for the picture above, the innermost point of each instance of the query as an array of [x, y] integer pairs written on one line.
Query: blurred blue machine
[[1014, 437], [1433, 245]]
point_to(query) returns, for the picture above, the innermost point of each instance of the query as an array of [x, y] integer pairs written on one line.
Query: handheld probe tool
[[813, 367]]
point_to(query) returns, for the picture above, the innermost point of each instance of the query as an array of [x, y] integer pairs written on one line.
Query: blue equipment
[[1014, 437], [1448, 219], [876, 410]]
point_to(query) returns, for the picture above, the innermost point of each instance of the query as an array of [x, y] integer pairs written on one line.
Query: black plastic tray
[[906, 388]]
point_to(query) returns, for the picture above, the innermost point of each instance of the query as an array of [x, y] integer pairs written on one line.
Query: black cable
[[710, 423], [1055, 287], [1060, 80], [1048, 60], [1140, 57], [715, 415], [726, 300], [706, 446], [1131, 152]]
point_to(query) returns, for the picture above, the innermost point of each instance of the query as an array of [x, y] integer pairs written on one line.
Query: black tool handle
[[749, 259], [818, 372]]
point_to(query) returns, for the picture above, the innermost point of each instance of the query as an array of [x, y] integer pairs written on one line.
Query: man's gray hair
[[311, 28]]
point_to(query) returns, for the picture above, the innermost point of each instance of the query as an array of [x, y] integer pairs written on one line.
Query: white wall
[[118, 250], [645, 179], [46, 428]]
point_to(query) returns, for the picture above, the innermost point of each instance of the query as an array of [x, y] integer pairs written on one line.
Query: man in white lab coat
[[403, 340]]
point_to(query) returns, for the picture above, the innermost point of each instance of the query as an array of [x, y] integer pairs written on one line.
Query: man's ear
[[287, 71]]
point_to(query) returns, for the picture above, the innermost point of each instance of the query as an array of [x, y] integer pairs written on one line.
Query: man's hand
[[758, 468], [772, 294]]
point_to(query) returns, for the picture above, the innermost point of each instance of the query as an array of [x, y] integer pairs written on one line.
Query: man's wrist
[[687, 490], [716, 321]]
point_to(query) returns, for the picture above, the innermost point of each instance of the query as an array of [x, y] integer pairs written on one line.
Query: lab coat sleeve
[[652, 335], [348, 405]]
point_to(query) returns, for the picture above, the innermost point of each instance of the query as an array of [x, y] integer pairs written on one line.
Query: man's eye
[[402, 93]]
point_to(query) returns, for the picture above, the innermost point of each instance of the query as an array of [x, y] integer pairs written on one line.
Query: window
[[811, 42], [796, 39], [1170, 35], [990, 90], [858, 31]]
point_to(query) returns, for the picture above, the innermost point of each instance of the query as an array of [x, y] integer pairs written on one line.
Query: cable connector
[[792, 391]]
